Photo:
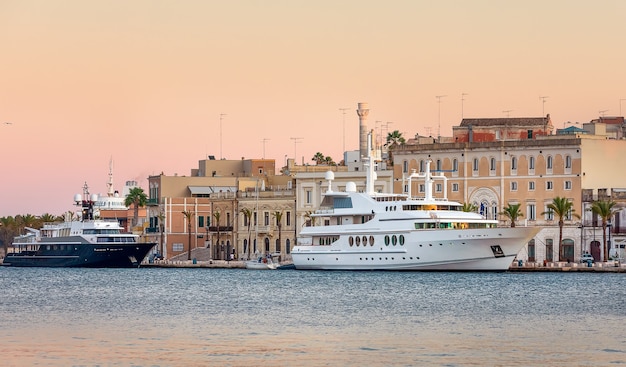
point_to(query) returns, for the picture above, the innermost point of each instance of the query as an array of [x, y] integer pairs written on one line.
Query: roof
[[507, 121], [205, 190]]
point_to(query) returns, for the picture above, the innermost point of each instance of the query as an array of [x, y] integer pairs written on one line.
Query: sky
[[156, 86]]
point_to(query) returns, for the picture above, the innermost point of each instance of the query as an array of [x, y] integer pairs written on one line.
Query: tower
[[363, 111]]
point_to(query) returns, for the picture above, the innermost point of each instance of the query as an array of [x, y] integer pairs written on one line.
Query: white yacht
[[375, 231]]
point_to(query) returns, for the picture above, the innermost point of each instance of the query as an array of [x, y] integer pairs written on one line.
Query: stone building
[[495, 162]]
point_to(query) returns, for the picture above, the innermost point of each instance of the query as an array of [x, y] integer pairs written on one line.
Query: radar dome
[[78, 198], [350, 187], [329, 175], [94, 197]]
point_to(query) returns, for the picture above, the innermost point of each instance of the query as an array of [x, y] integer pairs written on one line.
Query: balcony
[[222, 228], [152, 202]]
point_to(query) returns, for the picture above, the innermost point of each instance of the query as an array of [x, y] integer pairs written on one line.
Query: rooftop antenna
[[439, 116], [602, 112], [221, 118], [543, 105], [508, 112], [295, 143], [462, 99], [343, 112], [264, 140]]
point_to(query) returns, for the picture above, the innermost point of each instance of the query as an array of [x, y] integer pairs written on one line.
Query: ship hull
[[438, 250], [85, 255]]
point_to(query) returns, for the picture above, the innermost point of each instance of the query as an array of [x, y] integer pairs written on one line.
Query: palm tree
[[329, 161], [279, 223], [395, 138], [469, 207], [217, 216], [138, 198], [26, 220], [512, 212], [188, 215], [309, 220], [561, 207], [47, 218], [247, 213], [605, 210], [161, 217], [8, 230], [318, 158]]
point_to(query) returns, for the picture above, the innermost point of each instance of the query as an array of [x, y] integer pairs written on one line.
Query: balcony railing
[[152, 202]]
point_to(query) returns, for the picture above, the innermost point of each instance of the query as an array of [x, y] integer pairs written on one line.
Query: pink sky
[[145, 82]]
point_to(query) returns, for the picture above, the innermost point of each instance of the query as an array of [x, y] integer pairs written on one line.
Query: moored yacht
[[376, 231], [86, 242]]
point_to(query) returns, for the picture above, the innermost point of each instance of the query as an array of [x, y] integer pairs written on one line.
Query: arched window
[[568, 161], [277, 245], [421, 165], [438, 164], [549, 162], [492, 164], [455, 165], [475, 166], [267, 244], [513, 163], [288, 245], [245, 246]]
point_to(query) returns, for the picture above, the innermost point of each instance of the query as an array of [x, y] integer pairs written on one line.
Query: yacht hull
[[437, 250]]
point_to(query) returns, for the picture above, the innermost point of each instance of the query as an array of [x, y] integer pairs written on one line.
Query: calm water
[[225, 317]]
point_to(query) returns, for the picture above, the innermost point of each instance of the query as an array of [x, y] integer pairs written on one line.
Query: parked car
[[586, 257]]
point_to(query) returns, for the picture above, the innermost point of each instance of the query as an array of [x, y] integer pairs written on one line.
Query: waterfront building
[[495, 162], [214, 195]]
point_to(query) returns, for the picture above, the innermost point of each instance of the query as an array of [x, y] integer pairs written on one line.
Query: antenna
[[543, 105], [343, 111], [264, 140], [221, 118], [439, 116], [462, 99], [295, 143], [508, 112], [602, 112]]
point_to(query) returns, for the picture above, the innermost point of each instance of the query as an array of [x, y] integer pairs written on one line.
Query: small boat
[[262, 263], [86, 242]]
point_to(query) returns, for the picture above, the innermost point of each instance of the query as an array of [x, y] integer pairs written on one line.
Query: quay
[[603, 267]]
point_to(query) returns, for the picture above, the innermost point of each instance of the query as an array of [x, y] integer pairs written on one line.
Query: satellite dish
[[350, 187]]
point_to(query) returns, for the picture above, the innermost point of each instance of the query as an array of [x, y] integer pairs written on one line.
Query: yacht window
[[358, 241], [394, 240], [351, 241], [364, 241], [386, 240], [401, 240], [371, 240]]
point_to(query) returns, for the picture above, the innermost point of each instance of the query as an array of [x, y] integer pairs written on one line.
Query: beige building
[[214, 194], [495, 162]]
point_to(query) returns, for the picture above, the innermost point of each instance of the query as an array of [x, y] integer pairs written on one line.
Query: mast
[[110, 192], [369, 163]]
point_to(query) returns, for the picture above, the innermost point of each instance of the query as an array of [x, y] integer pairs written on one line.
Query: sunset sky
[[145, 82]]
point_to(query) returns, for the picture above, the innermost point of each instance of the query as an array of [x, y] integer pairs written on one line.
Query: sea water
[[237, 317]]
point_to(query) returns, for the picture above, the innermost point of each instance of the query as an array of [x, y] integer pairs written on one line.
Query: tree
[[512, 212], [161, 217], [561, 207], [188, 215], [309, 219], [329, 161], [469, 207], [279, 223], [47, 218], [8, 230], [318, 158], [247, 213], [217, 215], [137, 198], [395, 138], [605, 210]]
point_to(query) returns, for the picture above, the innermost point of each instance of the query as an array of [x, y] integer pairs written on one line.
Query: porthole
[[386, 240], [401, 240], [394, 239], [358, 241], [351, 241], [364, 241], [371, 240]]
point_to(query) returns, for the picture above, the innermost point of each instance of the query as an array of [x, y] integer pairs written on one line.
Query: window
[[549, 213], [531, 211], [438, 187], [568, 161], [549, 162], [405, 166], [531, 163], [549, 185], [439, 165], [513, 186], [492, 164], [255, 219], [309, 196], [549, 249], [266, 217], [406, 188], [288, 219], [475, 165], [513, 163], [455, 165], [421, 165], [200, 221], [455, 187], [177, 247], [529, 134], [568, 185], [531, 186]]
